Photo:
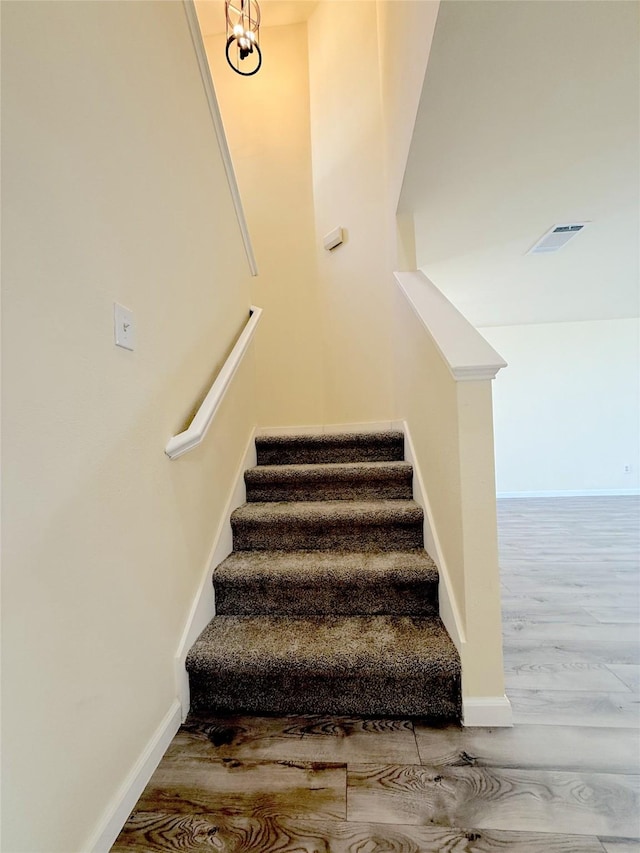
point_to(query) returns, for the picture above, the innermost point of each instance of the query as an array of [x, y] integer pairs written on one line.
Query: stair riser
[[288, 599], [399, 488], [309, 536], [435, 698], [315, 453]]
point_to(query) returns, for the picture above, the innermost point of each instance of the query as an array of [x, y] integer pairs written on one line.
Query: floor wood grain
[[532, 747], [609, 613], [568, 676], [564, 779], [599, 633], [308, 738], [496, 798], [192, 784], [529, 651], [620, 845], [513, 610], [575, 707], [155, 832], [628, 674]]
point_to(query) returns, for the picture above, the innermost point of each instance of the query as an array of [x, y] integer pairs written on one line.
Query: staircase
[[329, 602]]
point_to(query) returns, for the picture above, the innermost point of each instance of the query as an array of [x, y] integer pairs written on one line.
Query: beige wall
[[405, 34], [426, 397], [324, 353], [113, 189], [451, 428], [349, 191], [266, 119], [364, 97]]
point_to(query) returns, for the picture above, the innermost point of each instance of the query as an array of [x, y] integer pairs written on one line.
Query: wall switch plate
[[124, 328]]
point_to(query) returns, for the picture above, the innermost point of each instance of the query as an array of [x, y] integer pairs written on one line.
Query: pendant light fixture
[[243, 25]]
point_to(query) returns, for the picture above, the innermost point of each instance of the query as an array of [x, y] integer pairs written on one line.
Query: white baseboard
[[570, 493], [491, 711], [449, 611], [319, 429], [129, 792], [203, 607]]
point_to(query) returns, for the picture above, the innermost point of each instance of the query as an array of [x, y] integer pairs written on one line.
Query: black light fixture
[[243, 25]]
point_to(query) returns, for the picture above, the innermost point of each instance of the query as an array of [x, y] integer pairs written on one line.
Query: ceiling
[[529, 118], [274, 13]]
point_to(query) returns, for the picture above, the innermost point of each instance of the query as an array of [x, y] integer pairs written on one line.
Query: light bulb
[[238, 30]]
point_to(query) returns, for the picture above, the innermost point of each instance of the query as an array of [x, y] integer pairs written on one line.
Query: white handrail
[[465, 352], [214, 109], [197, 429]]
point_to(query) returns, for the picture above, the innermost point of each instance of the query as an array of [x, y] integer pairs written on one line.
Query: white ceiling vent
[[556, 238]]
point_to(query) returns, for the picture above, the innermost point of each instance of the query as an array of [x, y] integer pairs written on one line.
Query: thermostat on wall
[[333, 239]]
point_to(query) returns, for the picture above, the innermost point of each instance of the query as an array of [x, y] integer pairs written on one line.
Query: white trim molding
[[570, 493], [214, 109], [197, 429], [203, 607], [493, 711], [129, 792], [466, 353]]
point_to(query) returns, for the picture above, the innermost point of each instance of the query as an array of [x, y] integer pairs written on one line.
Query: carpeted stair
[[329, 602]]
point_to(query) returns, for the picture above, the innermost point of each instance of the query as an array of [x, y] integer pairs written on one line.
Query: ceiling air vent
[[556, 238]]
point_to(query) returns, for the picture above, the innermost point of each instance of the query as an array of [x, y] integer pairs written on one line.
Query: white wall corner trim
[[197, 429], [202, 608], [466, 353], [493, 711], [129, 792], [449, 610], [214, 109], [570, 493]]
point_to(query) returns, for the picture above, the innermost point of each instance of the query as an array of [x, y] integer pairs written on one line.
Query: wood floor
[[565, 778]]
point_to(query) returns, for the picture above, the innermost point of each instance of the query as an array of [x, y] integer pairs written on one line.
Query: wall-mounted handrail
[[466, 353], [197, 429], [214, 109]]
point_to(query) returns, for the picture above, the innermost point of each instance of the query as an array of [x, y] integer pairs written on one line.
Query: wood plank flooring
[[564, 779]]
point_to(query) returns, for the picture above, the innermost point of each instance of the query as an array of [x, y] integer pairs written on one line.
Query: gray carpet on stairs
[[334, 482], [311, 583], [378, 665], [327, 448], [329, 602], [323, 525]]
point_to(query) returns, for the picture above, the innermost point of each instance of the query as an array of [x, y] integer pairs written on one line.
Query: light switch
[[123, 326], [332, 239]]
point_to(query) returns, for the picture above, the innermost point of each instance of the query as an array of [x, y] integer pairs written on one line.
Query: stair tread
[[302, 567], [365, 512], [330, 469], [389, 646], [340, 447], [320, 438], [328, 481]]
